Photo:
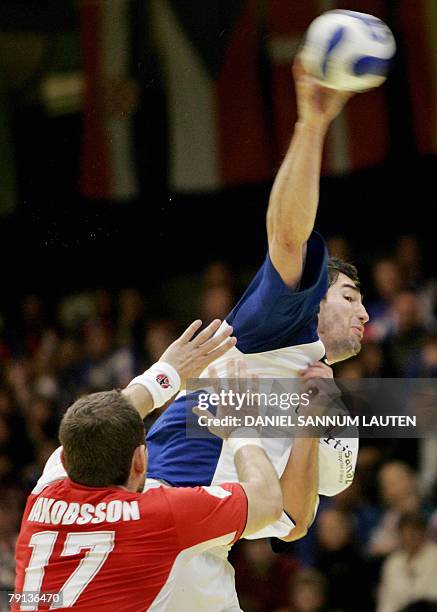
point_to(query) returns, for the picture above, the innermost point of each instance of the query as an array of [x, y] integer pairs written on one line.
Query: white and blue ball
[[348, 50]]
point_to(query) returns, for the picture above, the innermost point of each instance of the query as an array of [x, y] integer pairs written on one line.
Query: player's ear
[[139, 459], [62, 458]]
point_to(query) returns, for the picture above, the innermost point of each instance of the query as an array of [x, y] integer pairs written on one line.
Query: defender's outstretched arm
[[185, 358]]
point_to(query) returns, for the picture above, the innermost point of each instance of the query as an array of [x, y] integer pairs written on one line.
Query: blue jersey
[[276, 329]]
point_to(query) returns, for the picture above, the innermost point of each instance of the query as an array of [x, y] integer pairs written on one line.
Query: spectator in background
[[103, 306], [158, 335], [9, 524], [340, 561], [409, 574], [25, 335], [218, 274], [373, 361], [307, 592], [408, 256], [356, 505], [104, 366], [216, 302], [130, 323], [406, 333], [387, 281], [399, 492], [261, 575], [424, 365], [428, 301], [338, 246], [45, 356], [218, 297], [424, 361], [42, 419], [16, 449], [69, 358]]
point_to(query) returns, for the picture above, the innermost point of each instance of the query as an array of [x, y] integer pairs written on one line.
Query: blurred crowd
[[374, 547]]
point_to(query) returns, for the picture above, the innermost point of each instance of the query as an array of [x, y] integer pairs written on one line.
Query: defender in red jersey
[[111, 549], [92, 540]]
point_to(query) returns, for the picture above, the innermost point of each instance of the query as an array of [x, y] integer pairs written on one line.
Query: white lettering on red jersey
[[109, 549]]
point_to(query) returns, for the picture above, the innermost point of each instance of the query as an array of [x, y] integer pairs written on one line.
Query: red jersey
[[106, 549]]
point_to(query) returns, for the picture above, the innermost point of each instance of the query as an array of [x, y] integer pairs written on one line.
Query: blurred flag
[[359, 137], [108, 165], [217, 129], [418, 26]]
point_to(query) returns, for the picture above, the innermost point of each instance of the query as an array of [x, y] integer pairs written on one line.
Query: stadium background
[[138, 142]]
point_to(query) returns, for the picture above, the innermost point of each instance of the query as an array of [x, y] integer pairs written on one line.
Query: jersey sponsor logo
[[59, 512], [345, 458], [163, 381]]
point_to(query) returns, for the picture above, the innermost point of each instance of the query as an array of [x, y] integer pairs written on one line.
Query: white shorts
[[205, 584]]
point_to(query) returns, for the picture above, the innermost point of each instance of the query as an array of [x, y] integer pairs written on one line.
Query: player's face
[[342, 319]]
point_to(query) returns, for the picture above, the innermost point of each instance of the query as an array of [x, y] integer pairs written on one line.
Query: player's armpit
[[288, 260]]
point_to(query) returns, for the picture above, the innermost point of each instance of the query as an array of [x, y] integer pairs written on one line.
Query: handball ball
[[348, 50]]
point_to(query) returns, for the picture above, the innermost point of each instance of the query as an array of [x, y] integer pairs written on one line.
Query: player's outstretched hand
[[228, 417], [317, 105], [191, 354]]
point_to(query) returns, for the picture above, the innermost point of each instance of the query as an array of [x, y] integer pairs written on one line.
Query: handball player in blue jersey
[[301, 312]]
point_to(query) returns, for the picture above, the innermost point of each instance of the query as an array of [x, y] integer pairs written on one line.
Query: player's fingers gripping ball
[[348, 51]]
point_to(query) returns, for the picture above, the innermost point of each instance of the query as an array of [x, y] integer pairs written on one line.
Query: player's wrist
[[312, 125], [161, 380], [243, 436]]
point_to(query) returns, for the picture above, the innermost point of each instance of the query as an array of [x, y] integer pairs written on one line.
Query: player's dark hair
[[337, 265], [99, 434]]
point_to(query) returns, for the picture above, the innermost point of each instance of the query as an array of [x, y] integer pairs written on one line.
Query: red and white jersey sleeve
[[202, 514]]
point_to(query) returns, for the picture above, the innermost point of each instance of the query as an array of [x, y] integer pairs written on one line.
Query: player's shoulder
[[205, 495]]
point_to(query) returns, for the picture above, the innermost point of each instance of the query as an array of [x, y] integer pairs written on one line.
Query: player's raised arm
[[295, 194], [185, 358]]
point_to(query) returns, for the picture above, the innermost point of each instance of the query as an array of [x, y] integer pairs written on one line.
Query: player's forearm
[[299, 484], [153, 388], [295, 194], [140, 398], [260, 481]]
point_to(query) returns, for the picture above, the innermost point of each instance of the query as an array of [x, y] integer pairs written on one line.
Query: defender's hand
[[239, 384], [190, 355]]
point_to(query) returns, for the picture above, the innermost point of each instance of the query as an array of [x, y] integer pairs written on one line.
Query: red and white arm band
[[161, 380]]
